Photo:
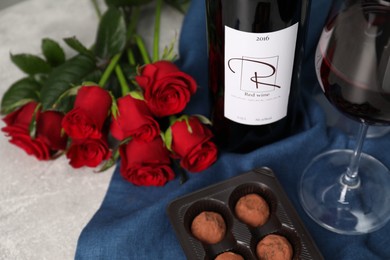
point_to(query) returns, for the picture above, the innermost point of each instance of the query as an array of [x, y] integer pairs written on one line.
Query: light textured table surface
[[45, 205]]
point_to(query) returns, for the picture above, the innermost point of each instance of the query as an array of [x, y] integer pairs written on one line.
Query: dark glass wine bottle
[[255, 50]]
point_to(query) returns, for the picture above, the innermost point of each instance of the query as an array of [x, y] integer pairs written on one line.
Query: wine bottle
[[255, 51]]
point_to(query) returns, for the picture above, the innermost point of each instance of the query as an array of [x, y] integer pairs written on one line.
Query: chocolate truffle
[[229, 256], [274, 247], [209, 227], [252, 209]]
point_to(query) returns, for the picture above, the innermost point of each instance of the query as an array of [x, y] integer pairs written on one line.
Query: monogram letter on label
[[257, 74]]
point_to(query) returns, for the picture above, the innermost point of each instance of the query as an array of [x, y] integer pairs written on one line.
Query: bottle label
[[258, 71]]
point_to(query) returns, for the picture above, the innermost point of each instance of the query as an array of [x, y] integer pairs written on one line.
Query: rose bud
[[167, 90], [47, 140], [88, 152], [90, 110], [146, 163], [191, 142], [134, 120]]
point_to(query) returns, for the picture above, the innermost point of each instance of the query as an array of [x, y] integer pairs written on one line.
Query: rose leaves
[[50, 76], [52, 81], [108, 101], [111, 35]]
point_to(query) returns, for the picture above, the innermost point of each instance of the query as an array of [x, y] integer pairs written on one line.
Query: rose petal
[[183, 142], [134, 120], [200, 158], [88, 152]]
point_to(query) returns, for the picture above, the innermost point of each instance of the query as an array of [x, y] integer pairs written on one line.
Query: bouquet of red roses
[[108, 102]]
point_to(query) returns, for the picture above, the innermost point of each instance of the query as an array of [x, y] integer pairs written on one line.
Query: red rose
[[48, 139], [191, 143], [201, 157], [49, 129], [89, 112], [135, 120], [167, 89], [146, 163], [88, 152]]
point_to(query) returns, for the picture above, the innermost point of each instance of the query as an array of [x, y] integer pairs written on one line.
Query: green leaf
[[110, 162], [76, 45], [137, 95], [185, 118], [94, 76], [114, 106], [64, 77], [169, 52], [30, 64], [167, 138], [127, 2], [53, 52], [111, 35], [203, 119], [68, 93], [20, 93]]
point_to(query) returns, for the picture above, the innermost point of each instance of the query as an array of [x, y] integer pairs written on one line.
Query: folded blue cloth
[[132, 222]]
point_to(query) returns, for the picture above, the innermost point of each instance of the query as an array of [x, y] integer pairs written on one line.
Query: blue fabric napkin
[[132, 222]]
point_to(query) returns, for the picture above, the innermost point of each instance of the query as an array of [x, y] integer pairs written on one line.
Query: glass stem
[[351, 178]]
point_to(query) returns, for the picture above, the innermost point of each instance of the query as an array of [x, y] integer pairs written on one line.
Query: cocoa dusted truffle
[[274, 247], [229, 256], [252, 209], [209, 227]]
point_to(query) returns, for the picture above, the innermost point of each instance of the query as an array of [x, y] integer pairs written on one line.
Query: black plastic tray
[[241, 238]]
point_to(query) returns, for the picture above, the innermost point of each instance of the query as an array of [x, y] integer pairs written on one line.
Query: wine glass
[[348, 191]]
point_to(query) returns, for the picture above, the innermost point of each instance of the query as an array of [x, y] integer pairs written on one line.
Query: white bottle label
[[258, 70]]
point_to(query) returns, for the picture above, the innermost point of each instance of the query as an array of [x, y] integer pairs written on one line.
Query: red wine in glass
[[356, 77], [347, 191]]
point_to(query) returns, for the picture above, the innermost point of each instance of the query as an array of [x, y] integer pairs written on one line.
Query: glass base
[[358, 209]]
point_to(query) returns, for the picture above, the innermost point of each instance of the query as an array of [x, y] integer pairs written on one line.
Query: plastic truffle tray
[[241, 238]]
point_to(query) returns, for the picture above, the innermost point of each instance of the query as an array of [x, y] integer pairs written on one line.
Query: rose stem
[[156, 38], [122, 80], [131, 58], [132, 26], [182, 173], [110, 68], [141, 45], [97, 9], [131, 30]]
